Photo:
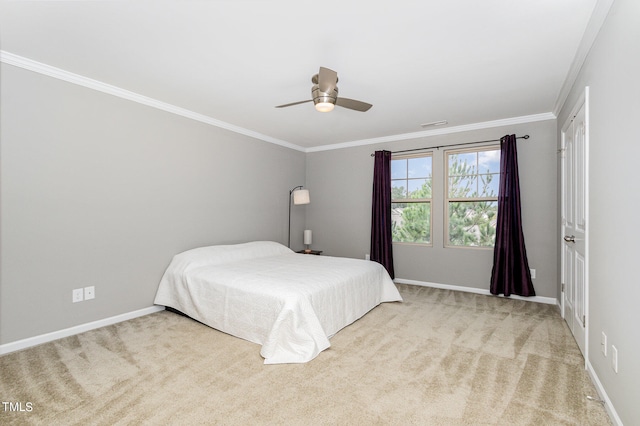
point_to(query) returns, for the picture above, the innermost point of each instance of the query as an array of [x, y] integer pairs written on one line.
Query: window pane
[[489, 185], [489, 161], [419, 188], [411, 180], [410, 222], [472, 223], [463, 164], [463, 186], [419, 167], [399, 169], [398, 189]]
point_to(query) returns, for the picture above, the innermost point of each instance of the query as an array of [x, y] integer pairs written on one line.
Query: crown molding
[[441, 131], [44, 69], [598, 16], [60, 74]]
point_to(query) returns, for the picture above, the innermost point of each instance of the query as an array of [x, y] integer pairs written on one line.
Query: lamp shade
[[307, 236], [324, 107], [301, 196]]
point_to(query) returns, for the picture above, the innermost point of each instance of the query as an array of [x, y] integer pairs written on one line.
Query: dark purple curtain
[[381, 240], [510, 274]]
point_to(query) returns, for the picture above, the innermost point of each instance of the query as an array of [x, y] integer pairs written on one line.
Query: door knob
[[570, 238]]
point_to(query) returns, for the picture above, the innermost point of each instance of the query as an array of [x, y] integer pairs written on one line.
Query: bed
[[265, 293]]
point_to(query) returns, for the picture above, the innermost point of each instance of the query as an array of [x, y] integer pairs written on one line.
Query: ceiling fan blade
[[294, 103], [353, 104], [327, 80]]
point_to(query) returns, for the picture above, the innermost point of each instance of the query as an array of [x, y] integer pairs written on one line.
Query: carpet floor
[[439, 358]]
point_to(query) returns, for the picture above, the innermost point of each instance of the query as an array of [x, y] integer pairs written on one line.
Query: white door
[[574, 223]]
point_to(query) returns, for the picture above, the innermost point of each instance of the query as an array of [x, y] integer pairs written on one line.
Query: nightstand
[[317, 252]]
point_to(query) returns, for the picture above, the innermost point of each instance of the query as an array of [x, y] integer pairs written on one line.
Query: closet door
[[574, 224]]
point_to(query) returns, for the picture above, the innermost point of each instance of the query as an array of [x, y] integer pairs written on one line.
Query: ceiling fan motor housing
[[319, 96]]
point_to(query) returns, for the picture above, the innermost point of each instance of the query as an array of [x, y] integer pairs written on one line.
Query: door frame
[[582, 101]]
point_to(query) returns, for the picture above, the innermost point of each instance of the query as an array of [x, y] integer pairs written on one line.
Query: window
[[473, 179], [411, 199]]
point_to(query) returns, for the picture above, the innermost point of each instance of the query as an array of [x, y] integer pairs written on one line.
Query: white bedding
[[263, 292]]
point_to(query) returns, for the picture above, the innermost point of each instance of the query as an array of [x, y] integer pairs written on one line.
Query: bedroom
[[98, 190]]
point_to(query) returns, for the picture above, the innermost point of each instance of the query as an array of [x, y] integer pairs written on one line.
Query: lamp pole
[[290, 195]]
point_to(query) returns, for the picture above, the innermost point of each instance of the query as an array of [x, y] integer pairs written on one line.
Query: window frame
[[428, 201], [447, 200]]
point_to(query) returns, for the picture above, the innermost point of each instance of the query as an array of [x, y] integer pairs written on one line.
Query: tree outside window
[[411, 178], [473, 179]]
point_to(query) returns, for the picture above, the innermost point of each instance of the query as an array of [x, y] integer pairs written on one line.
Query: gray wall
[[97, 190], [612, 72], [340, 182]]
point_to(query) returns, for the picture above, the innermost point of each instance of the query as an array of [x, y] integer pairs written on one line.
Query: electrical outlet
[[614, 358], [533, 274], [89, 293], [77, 295], [367, 257], [603, 344]]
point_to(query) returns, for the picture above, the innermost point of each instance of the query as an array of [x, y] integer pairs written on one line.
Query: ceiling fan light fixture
[[324, 94], [324, 107]]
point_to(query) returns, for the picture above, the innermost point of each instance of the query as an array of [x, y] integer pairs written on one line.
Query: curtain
[[510, 273], [381, 240]]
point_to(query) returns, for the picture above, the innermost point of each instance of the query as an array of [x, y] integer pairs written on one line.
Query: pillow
[[216, 255]]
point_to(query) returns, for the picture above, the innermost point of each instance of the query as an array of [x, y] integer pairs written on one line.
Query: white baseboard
[[611, 411], [538, 299], [55, 335]]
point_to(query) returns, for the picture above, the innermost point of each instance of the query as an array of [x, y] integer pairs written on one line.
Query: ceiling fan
[[324, 94]]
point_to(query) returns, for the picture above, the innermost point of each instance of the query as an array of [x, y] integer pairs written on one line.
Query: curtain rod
[[454, 144]]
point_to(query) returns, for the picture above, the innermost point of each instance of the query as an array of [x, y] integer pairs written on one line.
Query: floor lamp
[[299, 196]]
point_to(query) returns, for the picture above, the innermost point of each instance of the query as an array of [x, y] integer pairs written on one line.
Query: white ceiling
[[464, 61]]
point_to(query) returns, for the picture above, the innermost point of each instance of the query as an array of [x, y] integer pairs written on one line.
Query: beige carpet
[[440, 358]]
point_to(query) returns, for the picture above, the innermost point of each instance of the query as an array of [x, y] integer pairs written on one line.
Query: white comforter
[[263, 292]]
